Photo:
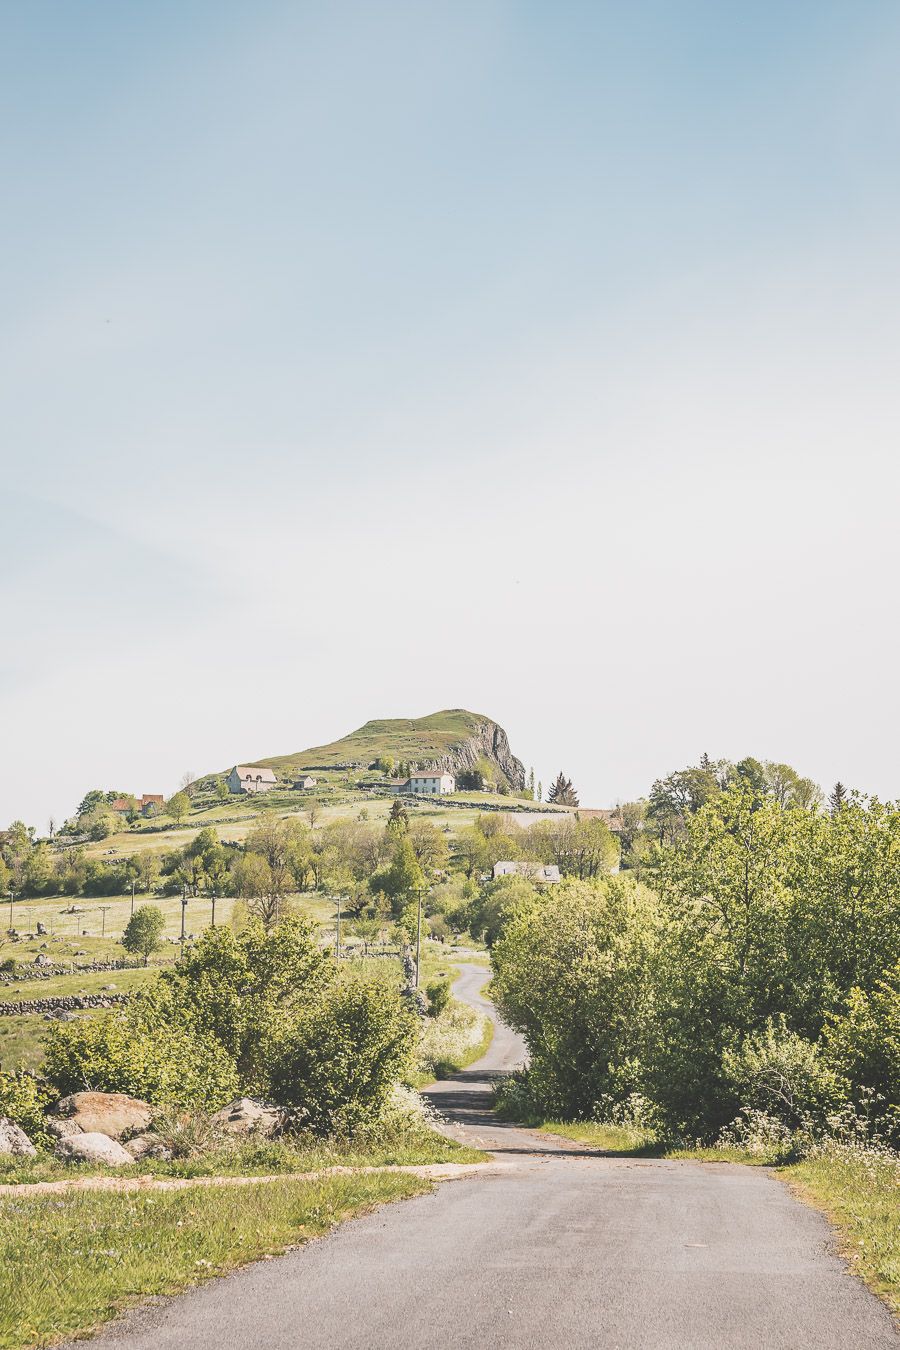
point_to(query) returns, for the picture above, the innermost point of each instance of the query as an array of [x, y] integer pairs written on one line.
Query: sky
[[362, 360]]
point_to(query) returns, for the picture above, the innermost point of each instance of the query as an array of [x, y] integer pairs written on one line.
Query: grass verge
[[859, 1192], [390, 1148], [68, 1265]]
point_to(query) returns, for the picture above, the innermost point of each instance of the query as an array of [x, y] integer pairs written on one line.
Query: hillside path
[[567, 1249]]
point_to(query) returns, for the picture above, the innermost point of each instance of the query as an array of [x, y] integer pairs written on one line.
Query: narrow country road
[[557, 1247]]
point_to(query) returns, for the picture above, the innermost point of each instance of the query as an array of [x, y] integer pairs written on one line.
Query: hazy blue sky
[[363, 360]]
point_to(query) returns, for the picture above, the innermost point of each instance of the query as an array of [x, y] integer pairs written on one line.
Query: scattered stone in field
[[60, 1015], [245, 1115], [147, 1146], [15, 1141], [110, 1113], [95, 1148]]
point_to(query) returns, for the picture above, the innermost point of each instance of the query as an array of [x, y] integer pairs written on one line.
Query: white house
[[534, 871], [305, 783], [427, 783], [247, 778]]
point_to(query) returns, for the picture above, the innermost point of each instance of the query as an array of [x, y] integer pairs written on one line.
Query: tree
[[251, 880], [178, 806], [562, 793], [398, 818], [838, 798], [221, 790], [403, 877], [143, 933], [188, 782]]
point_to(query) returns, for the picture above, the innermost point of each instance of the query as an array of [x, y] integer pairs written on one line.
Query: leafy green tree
[[244, 989], [178, 806], [571, 970], [403, 878], [143, 932]]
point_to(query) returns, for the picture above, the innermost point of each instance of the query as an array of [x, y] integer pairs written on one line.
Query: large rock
[[62, 1128], [110, 1113], [15, 1141], [147, 1146], [246, 1116], [93, 1147]]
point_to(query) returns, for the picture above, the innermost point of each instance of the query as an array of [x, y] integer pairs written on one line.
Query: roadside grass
[[387, 1146], [451, 1042], [69, 1263], [861, 1197], [858, 1191]]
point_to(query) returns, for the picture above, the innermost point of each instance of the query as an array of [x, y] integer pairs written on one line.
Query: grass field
[[67, 1266], [859, 1193]]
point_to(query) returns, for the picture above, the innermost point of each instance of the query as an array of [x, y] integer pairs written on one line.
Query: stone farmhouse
[[305, 783], [247, 778], [122, 805], [427, 783]]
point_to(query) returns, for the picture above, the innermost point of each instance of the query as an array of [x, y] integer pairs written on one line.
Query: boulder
[[64, 1127], [15, 1141], [110, 1113], [147, 1146], [93, 1147], [245, 1115]]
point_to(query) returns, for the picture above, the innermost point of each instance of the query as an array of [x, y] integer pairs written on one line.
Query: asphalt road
[[557, 1247]]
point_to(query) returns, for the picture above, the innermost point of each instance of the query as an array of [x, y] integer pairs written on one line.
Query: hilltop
[[453, 739]]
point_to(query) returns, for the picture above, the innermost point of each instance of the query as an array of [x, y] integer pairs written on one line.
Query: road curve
[[564, 1248]]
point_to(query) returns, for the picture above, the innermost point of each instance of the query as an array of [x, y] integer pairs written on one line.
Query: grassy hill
[[454, 735]]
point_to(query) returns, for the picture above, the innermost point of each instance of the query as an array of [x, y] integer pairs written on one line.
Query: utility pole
[[338, 946], [213, 898], [132, 898], [11, 898], [419, 940], [183, 911], [103, 909]]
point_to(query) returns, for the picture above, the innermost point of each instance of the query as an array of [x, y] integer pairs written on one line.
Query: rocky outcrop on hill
[[488, 741]]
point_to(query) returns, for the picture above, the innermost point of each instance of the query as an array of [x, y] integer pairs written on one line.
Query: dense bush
[[759, 978], [139, 1052], [23, 1099], [342, 1056]]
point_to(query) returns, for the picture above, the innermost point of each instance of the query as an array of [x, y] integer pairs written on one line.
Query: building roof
[[253, 771], [611, 817], [431, 773]]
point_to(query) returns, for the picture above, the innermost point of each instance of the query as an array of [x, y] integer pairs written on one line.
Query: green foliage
[[342, 1056], [24, 1099], [571, 970], [438, 992], [242, 990], [144, 930], [561, 792], [403, 877], [761, 976], [178, 806], [780, 1074], [862, 1042], [140, 1052]]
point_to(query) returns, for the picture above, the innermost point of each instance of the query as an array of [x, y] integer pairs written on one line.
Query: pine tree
[[838, 798], [562, 793], [531, 783]]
